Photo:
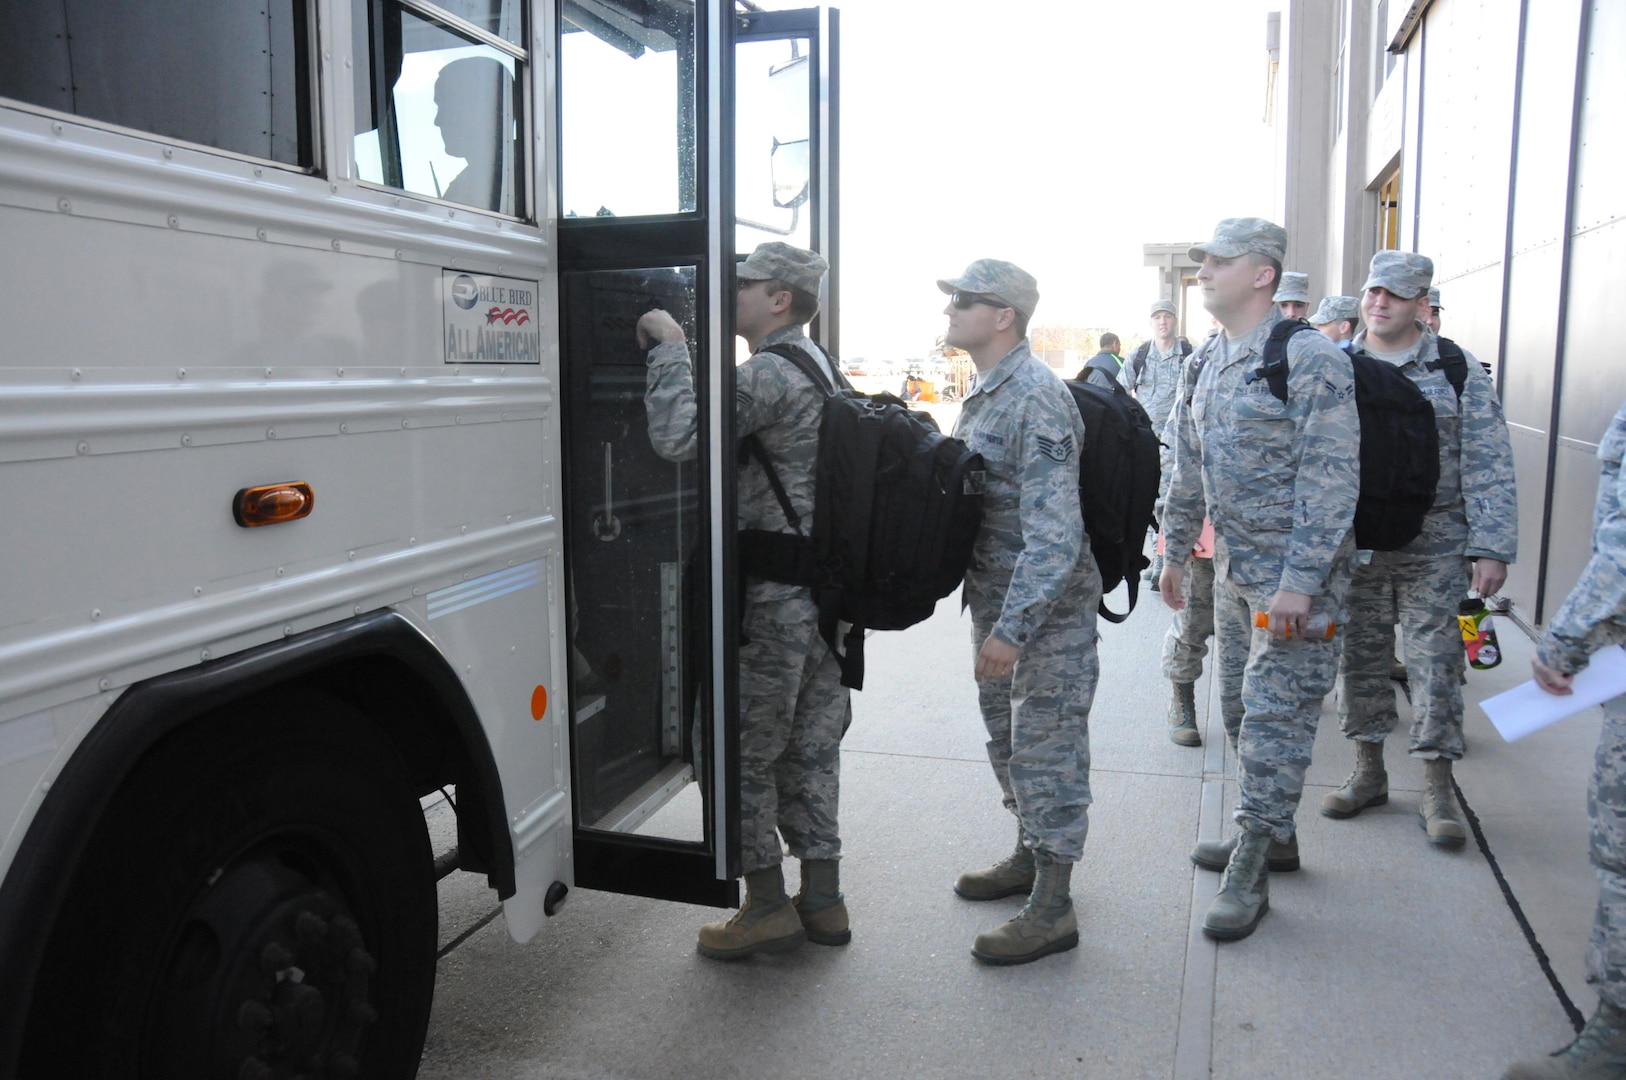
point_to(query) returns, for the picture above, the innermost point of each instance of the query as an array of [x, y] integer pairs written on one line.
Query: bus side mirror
[[788, 87], [790, 173]]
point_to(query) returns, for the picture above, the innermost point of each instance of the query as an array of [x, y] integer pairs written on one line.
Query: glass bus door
[[647, 183]]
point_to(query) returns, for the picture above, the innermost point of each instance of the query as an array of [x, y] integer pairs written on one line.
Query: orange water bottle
[[1318, 625]]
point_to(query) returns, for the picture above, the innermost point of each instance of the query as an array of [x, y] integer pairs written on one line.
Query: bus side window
[[439, 113], [233, 77]]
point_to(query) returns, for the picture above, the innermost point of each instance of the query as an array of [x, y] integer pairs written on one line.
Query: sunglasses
[[964, 300]]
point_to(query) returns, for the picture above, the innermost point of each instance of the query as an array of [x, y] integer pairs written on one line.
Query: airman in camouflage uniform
[[1475, 517], [1033, 590], [1152, 374], [1184, 646], [1338, 317], [1293, 295], [793, 708], [1154, 378], [1593, 618], [1186, 641], [1280, 481]]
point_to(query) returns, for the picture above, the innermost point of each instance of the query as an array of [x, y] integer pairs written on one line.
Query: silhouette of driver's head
[[469, 105]]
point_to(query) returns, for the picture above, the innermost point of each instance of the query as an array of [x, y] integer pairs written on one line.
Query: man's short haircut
[[1276, 268], [803, 306], [1021, 323], [1109, 341]]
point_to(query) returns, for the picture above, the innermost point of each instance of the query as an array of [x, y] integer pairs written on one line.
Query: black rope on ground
[[483, 923], [1576, 1019]]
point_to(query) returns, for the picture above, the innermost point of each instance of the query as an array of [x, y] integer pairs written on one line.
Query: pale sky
[[1061, 135], [1058, 134]]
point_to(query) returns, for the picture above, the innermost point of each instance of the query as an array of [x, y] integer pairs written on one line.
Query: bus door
[[647, 187]]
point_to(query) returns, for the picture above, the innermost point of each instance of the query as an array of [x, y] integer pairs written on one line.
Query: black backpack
[[896, 509], [1118, 473], [1400, 444]]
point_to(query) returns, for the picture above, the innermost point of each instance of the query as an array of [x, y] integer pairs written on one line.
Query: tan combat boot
[[766, 922], [1046, 924], [1598, 1052], [1183, 715], [1245, 896], [820, 905], [1010, 876], [1216, 855], [1367, 786], [1438, 813]]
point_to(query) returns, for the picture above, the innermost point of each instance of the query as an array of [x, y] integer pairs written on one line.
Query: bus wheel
[[258, 901]]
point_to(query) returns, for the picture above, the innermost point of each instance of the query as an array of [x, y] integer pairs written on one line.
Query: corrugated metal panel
[[1593, 381], [1535, 273]]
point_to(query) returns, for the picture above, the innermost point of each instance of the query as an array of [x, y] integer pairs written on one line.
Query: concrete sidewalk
[[1383, 957]]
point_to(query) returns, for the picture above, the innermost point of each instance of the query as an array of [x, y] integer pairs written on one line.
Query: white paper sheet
[[1527, 707]]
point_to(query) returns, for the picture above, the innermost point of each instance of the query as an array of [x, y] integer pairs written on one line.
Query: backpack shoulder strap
[[751, 448], [1191, 369], [1274, 368], [810, 367], [1137, 362], [1453, 363]]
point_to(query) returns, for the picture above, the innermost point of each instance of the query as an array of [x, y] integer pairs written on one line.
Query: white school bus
[[325, 486]]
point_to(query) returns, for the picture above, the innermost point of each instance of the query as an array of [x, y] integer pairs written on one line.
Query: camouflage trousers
[[1421, 594], [1165, 461], [1186, 642], [793, 712], [1606, 808], [1283, 683], [1038, 720]]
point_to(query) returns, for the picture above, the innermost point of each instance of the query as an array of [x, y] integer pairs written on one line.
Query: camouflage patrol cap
[[1000, 280], [1295, 287], [1336, 308], [1434, 300], [800, 269], [1241, 235], [1404, 273], [1166, 305]]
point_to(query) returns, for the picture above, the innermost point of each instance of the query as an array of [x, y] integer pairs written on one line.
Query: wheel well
[[379, 664], [419, 724]]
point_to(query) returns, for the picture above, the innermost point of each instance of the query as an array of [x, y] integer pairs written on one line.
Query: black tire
[[258, 901]]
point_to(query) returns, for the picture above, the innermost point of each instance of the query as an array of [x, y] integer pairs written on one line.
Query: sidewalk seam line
[[1194, 1026], [1574, 1014]]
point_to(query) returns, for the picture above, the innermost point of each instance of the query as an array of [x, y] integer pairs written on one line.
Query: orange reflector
[[539, 702], [272, 504]]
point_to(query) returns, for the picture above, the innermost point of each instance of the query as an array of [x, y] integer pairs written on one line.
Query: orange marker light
[[539, 702], [272, 504]]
